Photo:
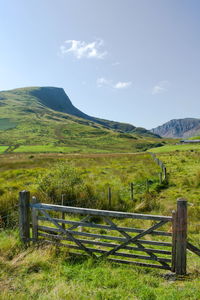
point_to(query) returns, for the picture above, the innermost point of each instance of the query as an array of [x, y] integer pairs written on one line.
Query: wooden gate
[[105, 234]]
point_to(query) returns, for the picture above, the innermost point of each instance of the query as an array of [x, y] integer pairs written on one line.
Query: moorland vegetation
[[50, 272]]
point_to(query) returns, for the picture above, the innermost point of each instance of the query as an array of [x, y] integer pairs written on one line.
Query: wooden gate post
[[174, 237], [34, 220], [24, 216], [181, 237]]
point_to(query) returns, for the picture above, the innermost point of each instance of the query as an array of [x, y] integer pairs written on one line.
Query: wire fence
[[113, 197]]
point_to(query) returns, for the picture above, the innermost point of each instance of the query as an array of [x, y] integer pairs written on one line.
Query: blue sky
[[135, 61]]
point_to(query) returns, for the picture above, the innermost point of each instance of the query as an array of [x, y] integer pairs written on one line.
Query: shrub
[[64, 179]]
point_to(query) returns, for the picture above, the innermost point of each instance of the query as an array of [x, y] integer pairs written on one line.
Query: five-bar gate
[[114, 235]]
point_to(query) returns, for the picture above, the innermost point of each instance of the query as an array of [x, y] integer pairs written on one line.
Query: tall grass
[[83, 180]]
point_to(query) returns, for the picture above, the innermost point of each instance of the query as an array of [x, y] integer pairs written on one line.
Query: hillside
[[45, 116], [179, 128]]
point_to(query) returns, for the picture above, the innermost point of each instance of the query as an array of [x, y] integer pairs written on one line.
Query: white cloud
[[81, 49], [106, 82], [160, 87], [103, 81], [122, 85]]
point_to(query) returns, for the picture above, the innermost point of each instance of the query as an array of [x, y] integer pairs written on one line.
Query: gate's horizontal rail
[[104, 244], [114, 259], [97, 212], [127, 255], [93, 225], [107, 237]]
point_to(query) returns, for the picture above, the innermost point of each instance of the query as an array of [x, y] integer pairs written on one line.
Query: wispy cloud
[[103, 81], [118, 85], [160, 87], [82, 49], [122, 85]]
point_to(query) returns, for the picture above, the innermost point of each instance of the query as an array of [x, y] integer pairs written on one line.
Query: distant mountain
[[45, 115], [179, 128]]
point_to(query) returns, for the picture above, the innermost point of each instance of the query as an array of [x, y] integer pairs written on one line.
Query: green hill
[[45, 116]]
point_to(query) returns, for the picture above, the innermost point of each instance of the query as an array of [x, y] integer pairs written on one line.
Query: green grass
[[7, 124], [194, 138], [172, 148], [98, 171], [3, 149], [44, 149], [49, 273]]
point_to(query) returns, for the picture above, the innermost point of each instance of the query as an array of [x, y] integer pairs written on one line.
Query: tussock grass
[[84, 179], [47, 272], [50, 273], [3, 149]]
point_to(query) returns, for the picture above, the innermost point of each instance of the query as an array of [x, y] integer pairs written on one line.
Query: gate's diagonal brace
[[151, 254], [135, 238], [82, 220], [65, 231], [193, 248], [113, 225], [139, 245]]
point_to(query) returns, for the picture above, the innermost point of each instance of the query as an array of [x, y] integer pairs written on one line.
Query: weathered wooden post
[[132, 196], [63, 214], [109, 197], [174, 236], [164, 173], [181, 237], [34, 220], [160, 164], [24, 216], [147, 185], [160, 178]]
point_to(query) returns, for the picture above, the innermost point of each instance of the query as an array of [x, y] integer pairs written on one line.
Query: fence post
[[160, 178], [34, 220], [181, 237], [24, 216], [165, 173], [109, 197], [63, 214], [147, 185], [131, 185]]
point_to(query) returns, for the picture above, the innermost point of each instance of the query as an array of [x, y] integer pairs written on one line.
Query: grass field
[[52, 273], [45, 149], [96, 171], [49, 273], [3, 149], [170, 148]]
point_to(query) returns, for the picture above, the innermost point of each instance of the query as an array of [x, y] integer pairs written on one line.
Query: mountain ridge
[[47, 95], [46, 116], [179, 128]]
